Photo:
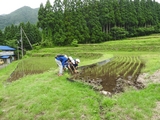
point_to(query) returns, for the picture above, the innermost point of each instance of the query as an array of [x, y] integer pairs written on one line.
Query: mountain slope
[[23, 14]]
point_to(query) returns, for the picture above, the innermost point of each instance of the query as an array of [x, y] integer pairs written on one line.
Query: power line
[[22, 31]]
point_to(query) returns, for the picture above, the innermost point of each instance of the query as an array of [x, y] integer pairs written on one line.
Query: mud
[[19, 74], [111, 76]]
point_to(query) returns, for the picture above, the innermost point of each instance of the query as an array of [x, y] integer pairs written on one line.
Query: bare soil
[[146, 78]]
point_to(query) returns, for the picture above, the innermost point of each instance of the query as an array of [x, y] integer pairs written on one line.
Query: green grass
[[6, 71], [46, 96], [37, 64], [136, 105], [152, 62]]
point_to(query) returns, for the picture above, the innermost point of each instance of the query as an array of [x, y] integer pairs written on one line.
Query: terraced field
[[113, 76], [121, 71]]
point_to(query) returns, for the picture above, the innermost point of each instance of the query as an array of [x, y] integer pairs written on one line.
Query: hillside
[[39, 94], [23, 14]]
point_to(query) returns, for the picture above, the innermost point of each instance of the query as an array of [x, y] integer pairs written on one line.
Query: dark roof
[[6, 48]]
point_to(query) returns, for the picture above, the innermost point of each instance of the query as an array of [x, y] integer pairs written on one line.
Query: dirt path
[[3, 66]]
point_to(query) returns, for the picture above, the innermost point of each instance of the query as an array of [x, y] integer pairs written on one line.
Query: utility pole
[[18, 51], [27, 39], [21, 42]]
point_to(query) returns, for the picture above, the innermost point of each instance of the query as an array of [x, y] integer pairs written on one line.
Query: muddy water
[[109, 76]]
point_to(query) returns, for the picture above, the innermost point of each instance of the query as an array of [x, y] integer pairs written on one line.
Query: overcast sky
[[8, 6]]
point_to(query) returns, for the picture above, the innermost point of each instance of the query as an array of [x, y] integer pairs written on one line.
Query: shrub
[[74, 43], [118, 33]]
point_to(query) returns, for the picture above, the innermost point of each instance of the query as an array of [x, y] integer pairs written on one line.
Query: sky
[[8, 6]]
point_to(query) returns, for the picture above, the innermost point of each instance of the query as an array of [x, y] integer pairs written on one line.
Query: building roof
[[6, 48], [5, 56]]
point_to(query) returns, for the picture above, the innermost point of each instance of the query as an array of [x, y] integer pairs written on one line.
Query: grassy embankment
[[49, 97]]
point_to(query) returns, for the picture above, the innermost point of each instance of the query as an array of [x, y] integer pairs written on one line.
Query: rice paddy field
[[31, 89]]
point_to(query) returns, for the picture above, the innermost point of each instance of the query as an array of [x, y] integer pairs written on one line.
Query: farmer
[[61, 61], [73, 65]]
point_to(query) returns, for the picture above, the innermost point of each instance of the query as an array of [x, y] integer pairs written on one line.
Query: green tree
[[81, 31], [106, 17], [49, 21], [131, 18], [117, 13], [58, 30], [95, 29], [118, 33], [45, 22], [31, 35], [12, 35], [42, 23], [1, 38], [41, 15], [140, 13], [68, 21]]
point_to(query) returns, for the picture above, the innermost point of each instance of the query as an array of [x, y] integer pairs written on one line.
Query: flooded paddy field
[[112, 75]]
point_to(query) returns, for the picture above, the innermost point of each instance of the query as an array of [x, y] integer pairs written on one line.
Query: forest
[[73, 22]]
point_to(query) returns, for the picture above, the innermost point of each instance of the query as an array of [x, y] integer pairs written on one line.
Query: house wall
[[8, 60], [6, 53]]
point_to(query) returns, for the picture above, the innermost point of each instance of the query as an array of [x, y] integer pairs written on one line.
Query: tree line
[[68, 22], [94, 21], [13, 36]]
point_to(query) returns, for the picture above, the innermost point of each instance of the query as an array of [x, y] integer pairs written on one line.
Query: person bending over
[[73, 65], [61, 61]]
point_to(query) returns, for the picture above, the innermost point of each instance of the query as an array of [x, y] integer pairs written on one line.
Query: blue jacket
[[62, 59]]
